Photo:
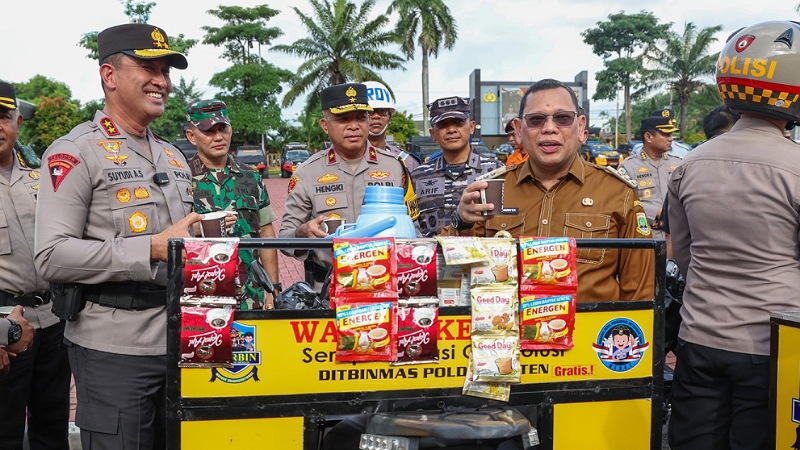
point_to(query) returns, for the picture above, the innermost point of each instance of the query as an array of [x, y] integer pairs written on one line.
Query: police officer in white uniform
[[112, 195]]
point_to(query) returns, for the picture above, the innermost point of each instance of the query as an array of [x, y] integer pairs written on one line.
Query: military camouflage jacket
[[236, 187]]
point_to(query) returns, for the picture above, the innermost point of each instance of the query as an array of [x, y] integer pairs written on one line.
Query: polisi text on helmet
[[752, 67]]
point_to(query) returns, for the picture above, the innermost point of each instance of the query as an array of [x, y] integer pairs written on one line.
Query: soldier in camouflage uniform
[[440, 182], [219, 182]]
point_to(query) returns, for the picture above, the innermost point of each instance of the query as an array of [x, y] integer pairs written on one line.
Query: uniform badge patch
[[34, 174], [378, 174], [330, 201], [109, 126], [328, 178], [59, 166], [138, 222], [331, 156], [637, 203], [643, 169], [141, 193], [169, 152], [647, 193], [373, 154], [292, 183], [113, 147], [124, 195], [672, 167], [176, 163], [642, 225]]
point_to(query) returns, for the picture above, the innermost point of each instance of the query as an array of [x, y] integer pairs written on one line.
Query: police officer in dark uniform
[[113, 195], [440, 182]]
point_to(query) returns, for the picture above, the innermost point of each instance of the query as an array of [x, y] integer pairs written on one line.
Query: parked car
[[293, 154], [252, 155], [601, 154], [422, 147], [503, 151]]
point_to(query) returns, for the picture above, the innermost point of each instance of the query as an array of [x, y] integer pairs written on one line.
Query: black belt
[[126, 295], [29, 300]]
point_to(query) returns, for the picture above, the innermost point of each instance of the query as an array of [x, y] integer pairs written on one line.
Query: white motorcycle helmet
[[758, 70], [378, 96]]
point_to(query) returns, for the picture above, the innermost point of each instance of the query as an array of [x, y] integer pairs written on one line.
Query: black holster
[[315, 271], [68, 300]]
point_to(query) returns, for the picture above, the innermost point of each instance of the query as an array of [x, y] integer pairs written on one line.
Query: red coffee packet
[[417, 331], [416, 267], [206, 336], [212, 267], [547, 320], [364, 268], [547, 262], [366, 331]]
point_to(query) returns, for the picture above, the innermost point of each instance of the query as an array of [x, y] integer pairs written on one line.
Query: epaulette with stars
[[620, 176]]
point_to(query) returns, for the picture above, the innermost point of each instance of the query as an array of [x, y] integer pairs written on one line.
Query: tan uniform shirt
[[652, 178], [98, 207], [18, 273], [733, 213], [587, 203], [325, 185]]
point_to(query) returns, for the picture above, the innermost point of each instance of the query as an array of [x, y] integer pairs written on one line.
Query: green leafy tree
[[343, 44], [429, 24], [307, 131], [137, 12], [251, 85], [170, 125], [88, 109], [683, 64], [402, 127], [626, 36], [54, 118], [42, 86], [38, 90]]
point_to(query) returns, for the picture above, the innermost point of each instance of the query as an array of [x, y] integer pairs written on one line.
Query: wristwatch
[[14, 331], [458, 223]]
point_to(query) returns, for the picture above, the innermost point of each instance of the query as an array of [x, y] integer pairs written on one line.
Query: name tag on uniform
[[430, 187]]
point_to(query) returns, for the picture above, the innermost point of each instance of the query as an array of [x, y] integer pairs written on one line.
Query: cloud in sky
[[523, 40]]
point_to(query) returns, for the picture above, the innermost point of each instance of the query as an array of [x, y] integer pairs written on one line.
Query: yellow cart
[[785, 385], [287, 391]]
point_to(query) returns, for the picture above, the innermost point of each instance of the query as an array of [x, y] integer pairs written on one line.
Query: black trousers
[[720, 400], [39, 383], [121, 399]]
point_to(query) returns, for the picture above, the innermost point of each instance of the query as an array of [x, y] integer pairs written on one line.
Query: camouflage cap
[[449, 108], [207, 113]]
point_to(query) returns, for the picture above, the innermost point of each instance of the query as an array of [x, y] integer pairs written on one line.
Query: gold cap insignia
[[158, 39], [665, 113]]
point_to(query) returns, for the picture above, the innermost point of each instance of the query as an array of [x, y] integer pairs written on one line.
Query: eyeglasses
[[383, 112], [561, 119]]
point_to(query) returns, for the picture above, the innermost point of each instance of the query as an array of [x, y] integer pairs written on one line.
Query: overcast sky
[[515, 40]]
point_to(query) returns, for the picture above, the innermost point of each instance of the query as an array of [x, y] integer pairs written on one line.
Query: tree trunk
[[628, 128], [684, 99], [425, 113]]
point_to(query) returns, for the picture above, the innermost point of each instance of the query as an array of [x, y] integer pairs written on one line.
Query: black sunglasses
[[561, 119]]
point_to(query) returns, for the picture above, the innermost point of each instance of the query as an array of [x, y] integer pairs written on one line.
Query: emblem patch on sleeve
[[292, 183], [59, 166], [642, 225]]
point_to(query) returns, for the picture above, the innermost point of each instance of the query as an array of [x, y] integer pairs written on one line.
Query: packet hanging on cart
[[494, 308], [416, 267], [495, 357], [366, 331], [501, 268], [462, 250], [364, 269], [547, 320], [212, 267], [547, 262], [417, 331], [206, 336], [485, 389]]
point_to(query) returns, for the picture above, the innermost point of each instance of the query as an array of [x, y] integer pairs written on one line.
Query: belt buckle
[[38, 300]]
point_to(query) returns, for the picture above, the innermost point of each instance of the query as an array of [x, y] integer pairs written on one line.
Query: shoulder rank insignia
[[373, 154], [331, 156], [109, 126], [620, 176]]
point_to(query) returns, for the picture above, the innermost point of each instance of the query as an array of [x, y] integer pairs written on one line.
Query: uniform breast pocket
[[513, 224], [135, 220], [5, 235], [325, 203], [247, 205], [596, 226]]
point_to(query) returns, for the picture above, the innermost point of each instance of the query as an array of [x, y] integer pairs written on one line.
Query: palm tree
[[343, 44], [682, 64], [429, 24]]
